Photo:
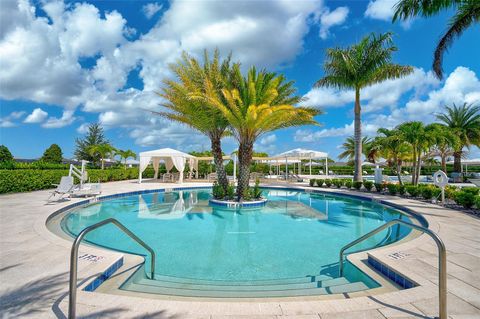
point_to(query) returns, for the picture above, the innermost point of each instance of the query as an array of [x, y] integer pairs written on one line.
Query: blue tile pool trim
[[391, 274], [104, 276]]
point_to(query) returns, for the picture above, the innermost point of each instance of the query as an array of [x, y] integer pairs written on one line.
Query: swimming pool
[[287, 248]]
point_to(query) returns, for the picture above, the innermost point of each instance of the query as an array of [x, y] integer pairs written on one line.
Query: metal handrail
[[74, 259], [442, 259]]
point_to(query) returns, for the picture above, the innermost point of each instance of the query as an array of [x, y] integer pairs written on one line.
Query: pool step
[[235, 293], [307, 286], [140, 274]]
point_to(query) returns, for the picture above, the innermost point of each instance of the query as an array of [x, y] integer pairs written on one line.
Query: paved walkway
[[34, 272]]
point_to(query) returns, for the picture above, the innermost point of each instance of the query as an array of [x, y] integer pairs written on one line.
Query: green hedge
[[26, 180]]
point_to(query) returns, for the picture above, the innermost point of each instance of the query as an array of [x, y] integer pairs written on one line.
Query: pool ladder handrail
[[442, 258], [74, 259]]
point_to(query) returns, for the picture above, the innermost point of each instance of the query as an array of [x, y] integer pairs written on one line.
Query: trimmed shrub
[[337, 182], [401, 189], [427, 192], [477, 202], [312, 182], [368, 185], [412, 190], [357, 185], [26, 180], [465, 198], [230, 192], [450, 192], [320, 182], [471, 190], [348, 184], [217, 191], [328, 182], [379, 187], [392, 189], [436, 192]]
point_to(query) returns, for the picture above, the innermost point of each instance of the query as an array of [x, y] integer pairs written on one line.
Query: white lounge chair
[[65, 187], [87, 189]]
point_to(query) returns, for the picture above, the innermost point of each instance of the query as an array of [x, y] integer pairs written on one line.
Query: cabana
[[171, 158], [300, 154]]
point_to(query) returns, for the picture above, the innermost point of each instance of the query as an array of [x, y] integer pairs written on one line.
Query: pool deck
[[34, 271]]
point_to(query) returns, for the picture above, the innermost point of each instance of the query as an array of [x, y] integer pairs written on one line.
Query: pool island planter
[[234, 204]]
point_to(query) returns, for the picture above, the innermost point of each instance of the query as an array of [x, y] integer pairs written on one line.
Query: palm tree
[[103, 151], [464, 121], [124, 155], [259, 103], [445, 141], [191, 77], [420, 138], [393, 148], [467, 13], [369, 149], [356, 67]]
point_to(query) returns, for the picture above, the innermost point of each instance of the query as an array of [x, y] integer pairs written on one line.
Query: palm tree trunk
[[399, 170], [414, 168], [245, 151], [457, 161], [218, 160], [358, 139], [419, 166], [444, 163], [103, 163]]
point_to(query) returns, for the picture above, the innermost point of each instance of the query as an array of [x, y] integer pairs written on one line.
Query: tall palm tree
[[356, 67], [464, 121], [445, 141], [259, 103], [125, 155], [103, 151], [191, 77], [368, 148], [467, 13], [393, 148]]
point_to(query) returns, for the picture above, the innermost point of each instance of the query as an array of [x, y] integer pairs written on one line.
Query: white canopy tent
[[171, 158], [302, 154]]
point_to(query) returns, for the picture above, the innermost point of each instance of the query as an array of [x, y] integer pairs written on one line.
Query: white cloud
[[347, 130], [82, 129], [462, 85], [377, 96], [7, 121], [150, 9], [269, 139], [37, 116], [55, 122], [39, 55], [329, 19], [381, 9], [384, 10]]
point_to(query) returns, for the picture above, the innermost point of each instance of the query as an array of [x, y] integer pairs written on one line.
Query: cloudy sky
[[66, 64]]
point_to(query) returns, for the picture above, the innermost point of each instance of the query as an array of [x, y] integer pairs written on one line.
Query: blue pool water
[[296, 234]]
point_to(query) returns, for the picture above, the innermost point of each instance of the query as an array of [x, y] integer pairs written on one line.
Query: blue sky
[[67, 64]]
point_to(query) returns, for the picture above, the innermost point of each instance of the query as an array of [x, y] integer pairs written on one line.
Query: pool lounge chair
[[65, 187], [87, 189], [168, 177]]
